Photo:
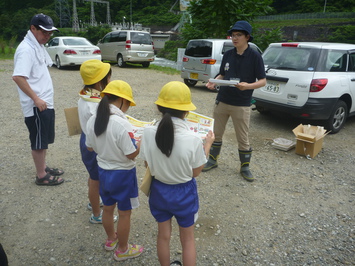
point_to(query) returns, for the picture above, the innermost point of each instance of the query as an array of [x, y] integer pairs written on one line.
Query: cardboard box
[[309, 139], [73, 123]]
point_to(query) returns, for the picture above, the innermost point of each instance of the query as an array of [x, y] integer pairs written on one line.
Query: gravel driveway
[[297, 212]]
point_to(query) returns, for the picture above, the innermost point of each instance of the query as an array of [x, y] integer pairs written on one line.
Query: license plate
[[193, 75], [142, 54], [85, 53], [272, 87]]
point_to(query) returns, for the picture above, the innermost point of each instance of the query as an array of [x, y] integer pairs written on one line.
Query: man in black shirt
[[245, 65]]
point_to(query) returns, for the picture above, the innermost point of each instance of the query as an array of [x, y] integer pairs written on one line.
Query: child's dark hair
[[103, 114], [164, 137]]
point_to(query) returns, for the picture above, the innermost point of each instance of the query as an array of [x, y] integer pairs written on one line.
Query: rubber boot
[[213, 156], [245, 157]]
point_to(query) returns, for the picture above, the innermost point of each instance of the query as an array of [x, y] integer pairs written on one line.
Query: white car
[[310, 80], [71, 51]]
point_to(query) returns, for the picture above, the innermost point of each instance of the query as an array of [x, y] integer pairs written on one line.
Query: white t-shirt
[[187, 154], [114, 144], [31, 61], [86, 109]]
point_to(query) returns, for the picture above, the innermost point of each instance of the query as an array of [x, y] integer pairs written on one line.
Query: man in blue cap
[[35, 89], [247, 67]]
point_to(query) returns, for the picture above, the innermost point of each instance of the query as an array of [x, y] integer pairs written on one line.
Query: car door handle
[[353, 79]]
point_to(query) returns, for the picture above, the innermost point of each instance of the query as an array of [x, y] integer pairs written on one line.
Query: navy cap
[[44, 22], [242, 25]]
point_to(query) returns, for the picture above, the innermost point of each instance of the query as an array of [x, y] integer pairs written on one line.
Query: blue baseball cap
[[44, 22], [242, 25]]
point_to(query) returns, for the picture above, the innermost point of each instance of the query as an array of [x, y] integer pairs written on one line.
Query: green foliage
[[94, 34], [263, 38], [166, 70], [345, 34], [170, 49], [213, 18]]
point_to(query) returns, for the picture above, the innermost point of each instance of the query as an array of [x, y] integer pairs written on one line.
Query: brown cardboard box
[[73, 123], [309, 139]]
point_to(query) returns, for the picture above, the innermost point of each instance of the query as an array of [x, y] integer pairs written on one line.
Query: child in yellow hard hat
[[95, 75], [110, 135], [175, 157]]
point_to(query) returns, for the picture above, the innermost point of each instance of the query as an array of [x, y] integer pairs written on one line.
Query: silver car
[[203, 58], [124, 46]]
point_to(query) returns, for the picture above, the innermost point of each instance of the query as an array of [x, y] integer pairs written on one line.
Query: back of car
[[305, 80], [202, 59], [127, 46]]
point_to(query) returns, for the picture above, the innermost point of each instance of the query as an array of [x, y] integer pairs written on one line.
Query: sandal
[[176, 262], [54, 171], [50, 182]]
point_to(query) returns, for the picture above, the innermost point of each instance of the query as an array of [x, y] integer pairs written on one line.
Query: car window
[[122, 36], [301, 59], [76, 42], [336, 61], [106, 39], [227, 46], [199, 49], [54, 42], [140, 38], [352, 62]]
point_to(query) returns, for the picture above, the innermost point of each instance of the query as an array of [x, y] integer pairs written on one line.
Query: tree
[[213, 18]]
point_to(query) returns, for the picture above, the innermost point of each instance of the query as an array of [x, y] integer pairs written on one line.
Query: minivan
[[203, 57], [309, 80], [124, 46]]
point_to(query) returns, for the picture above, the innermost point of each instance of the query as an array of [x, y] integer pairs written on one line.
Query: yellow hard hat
[[175, 95], [121, 89], [93, 71]]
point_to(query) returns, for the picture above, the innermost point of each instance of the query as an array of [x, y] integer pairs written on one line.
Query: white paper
[[224, 82]]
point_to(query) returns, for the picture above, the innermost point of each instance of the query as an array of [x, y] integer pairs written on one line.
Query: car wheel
[[337, 118], [57, 62], [145, 64], [190, 82], [120, 61], [261, 110]]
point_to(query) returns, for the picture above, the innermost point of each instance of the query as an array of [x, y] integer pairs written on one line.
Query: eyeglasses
[[46, 33], [237, 35]]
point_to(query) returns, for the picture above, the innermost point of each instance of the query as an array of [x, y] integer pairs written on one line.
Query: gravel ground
[[297, 212]]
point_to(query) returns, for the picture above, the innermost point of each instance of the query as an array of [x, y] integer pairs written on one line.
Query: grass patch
[[166, 70]]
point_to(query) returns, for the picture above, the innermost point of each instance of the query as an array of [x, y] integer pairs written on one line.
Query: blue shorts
[[41, 128], [181, 201], [89, 159], [119, 186]]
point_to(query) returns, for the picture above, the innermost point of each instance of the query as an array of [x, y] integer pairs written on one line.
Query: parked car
[[123, 46], [203, 58], [71, 51], [309, 80]]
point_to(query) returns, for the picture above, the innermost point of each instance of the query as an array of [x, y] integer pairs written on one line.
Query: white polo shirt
[[27, 64], [114, 144], [187, 154]]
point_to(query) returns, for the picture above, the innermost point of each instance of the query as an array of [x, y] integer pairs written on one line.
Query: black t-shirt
[[248, 67]]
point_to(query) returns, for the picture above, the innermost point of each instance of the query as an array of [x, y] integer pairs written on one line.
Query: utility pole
[[62, 11], [108, 16], [76, 26]]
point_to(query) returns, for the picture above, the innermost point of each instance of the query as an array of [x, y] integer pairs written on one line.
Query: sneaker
[[90, 207], [111, 244], [98, 219], [132, 252]]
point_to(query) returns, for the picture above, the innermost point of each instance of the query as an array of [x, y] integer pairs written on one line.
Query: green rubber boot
[[245, 157], [213, 156]]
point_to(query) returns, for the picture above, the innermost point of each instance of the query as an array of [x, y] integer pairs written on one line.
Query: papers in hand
[[222, 82]]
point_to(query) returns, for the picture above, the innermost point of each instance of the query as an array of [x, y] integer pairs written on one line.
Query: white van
[[123, 46], [203, 58]]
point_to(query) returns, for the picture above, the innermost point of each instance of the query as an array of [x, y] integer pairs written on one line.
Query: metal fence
[[308, 16]]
